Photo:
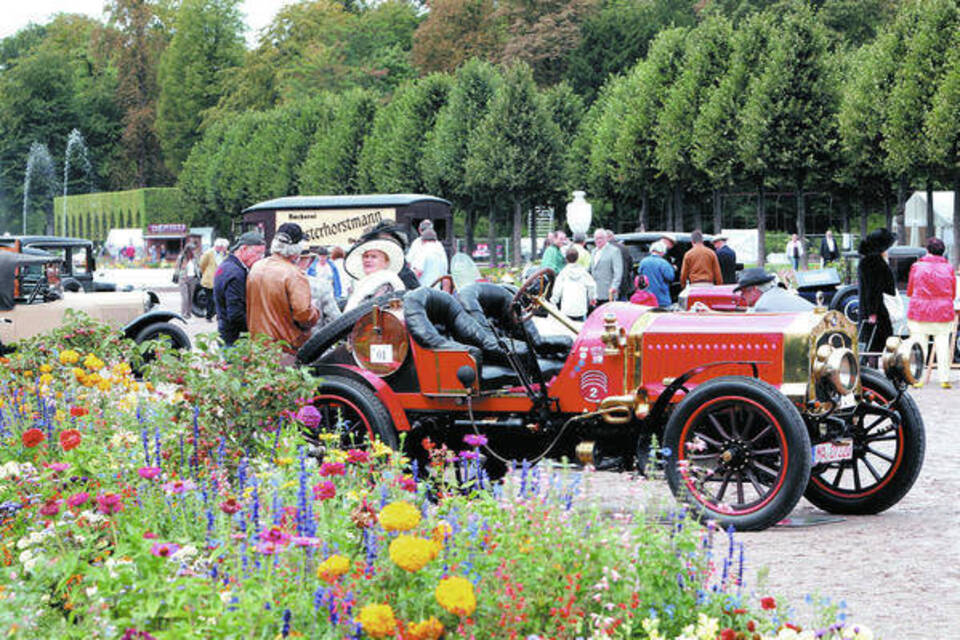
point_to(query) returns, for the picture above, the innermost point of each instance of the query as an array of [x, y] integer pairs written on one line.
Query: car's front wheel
[[170, 334], [351, 411], [888, 449], [737, 452]]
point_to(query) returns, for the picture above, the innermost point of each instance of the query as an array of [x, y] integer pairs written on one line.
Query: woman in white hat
[[375, 264]]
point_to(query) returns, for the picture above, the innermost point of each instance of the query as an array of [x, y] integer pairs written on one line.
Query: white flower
[[29, 560], [857, 632], [184, 554]]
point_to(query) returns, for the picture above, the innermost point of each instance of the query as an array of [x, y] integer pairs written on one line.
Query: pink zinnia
[[357, 456], [475, 439], [276, 535], [230, 506], [149, 473], [332, 469], [309, 416], [324, 491], [149, 535], [109, 503], [57, 466], [164, 549], [78, 499], [178, 486], [50, 508]]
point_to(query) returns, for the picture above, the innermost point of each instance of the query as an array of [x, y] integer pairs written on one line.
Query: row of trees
[[766, 104]]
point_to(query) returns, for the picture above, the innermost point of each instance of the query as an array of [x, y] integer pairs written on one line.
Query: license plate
[[834, 451]]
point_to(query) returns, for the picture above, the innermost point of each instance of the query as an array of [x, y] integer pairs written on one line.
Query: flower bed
[[151, 509]]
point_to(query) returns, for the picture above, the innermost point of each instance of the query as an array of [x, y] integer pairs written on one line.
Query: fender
[[657, 413], [380, 389], [133, 328]]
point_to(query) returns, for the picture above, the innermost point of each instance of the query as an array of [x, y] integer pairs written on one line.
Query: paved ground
[[898, 571]]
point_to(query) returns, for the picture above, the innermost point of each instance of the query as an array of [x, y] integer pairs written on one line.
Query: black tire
[[177, 337], [847, 301], [337, 330], [890, 461], [199, 303], [350, 408], [740, 435]]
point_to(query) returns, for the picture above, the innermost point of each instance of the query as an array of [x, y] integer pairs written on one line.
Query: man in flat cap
[[759, 289], [230, 285], [727, 258], [278, 292]]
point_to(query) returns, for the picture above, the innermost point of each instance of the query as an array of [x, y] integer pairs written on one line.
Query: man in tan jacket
[[700, 264], [278, 293], [209, 262]]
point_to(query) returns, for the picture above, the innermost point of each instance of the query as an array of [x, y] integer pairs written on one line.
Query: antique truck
[[749, 416]]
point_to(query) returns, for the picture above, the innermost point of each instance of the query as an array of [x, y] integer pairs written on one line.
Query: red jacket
[[931, 288]]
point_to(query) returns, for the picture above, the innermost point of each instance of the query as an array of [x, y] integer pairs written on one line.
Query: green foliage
[[390, 160], [455, 31], [208, 39], [942, 124], [92, 215], [78, 332], [331, 162]]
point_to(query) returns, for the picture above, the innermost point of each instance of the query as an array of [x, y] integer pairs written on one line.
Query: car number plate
[[381, 353], [833, 451]]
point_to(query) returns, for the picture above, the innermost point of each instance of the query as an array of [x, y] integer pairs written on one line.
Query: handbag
[[176, 277], [897, 312]]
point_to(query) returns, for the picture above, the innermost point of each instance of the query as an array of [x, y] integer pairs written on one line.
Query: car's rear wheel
[[201, 297], [886, 458], [738, 453], [350, 410], [847, 301]]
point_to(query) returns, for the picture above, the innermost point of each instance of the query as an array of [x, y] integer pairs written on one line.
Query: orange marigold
[[455, 594], [332, 568], [429, 629], [412, 553], [377, 620], [399, 516]]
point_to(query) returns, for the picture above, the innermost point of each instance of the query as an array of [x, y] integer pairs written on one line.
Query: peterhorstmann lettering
[[360, 222]]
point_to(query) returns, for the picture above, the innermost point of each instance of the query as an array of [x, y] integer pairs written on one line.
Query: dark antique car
[[33, 301], [77, 255], [750, 416]]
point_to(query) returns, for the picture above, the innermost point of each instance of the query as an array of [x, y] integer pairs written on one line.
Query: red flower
[[407, 483], [32, 437], [357, 456], [78, 412], [332, 469], [50, 508], [768, 603], [230, 505], [69, 439], [728, 634], [109, 503], [324, 491], [751, 626]]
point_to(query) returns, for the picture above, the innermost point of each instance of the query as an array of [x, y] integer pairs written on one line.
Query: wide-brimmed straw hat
[[353, 262]]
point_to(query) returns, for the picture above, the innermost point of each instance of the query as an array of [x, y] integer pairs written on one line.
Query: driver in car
[[761, 293]]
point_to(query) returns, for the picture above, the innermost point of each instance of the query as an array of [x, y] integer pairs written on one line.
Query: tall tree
[[516, 148], [140, 38], [790, 114], [445, 149], [942, 129], [207, 40], [455, 31], [705, 62], [332, 160]]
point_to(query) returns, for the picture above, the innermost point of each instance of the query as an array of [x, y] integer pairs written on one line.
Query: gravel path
[[898, 571]]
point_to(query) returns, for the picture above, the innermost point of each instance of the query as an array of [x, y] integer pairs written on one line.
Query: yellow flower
[[59, 416], [380, 449], [283, 462], [92, 380], [46, 378], [104, 385], [399, 516], [328, 436], [335, 455], [442, 531], [412, 553], [79, 374], [429, 629], [332, 568], [92, 362], [28, 373], [455, 594], [69, 356], [45, 368], [377, 620]]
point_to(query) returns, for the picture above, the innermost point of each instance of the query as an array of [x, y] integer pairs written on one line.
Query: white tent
[[915, 218]]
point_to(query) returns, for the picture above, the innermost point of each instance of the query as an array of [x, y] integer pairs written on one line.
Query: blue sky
[[16, 15]]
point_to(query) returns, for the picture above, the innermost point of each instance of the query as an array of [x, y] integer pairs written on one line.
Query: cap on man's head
[[719, 238], [752, 277], [289, 233], [248, 239]]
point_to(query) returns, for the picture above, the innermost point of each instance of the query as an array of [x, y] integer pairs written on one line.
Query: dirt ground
[[898, 572]]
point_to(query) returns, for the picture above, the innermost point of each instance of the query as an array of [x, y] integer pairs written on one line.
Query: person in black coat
[[829, 251], [727, 258], [875, 278], [230, 286]]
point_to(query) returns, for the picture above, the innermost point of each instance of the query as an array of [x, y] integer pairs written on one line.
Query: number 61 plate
[[833, 451]]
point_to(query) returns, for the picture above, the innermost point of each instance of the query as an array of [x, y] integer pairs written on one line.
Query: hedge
[[92, 215]]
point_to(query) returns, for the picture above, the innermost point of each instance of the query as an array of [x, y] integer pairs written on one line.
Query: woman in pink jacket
[[932, 288]]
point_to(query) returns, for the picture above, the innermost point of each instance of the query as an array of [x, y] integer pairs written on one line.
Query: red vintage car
[[750, 415]]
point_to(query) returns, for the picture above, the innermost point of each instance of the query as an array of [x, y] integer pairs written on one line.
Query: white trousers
[[940, 331]]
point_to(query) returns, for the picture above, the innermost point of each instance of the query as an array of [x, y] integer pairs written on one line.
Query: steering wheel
[[532, 293], [446, 283]]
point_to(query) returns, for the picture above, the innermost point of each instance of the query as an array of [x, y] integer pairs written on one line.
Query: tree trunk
[[955, 252], [517, 229], [761, 225], [717, 211], [931, 222], [668, 218], [644, 211], [678, 208], [899, 214], [863, 216], [468, 220], [887, 212], [492, 235], [802, 220], [532, 230]]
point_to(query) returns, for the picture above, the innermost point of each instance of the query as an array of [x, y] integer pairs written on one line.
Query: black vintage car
[[78, 260]]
